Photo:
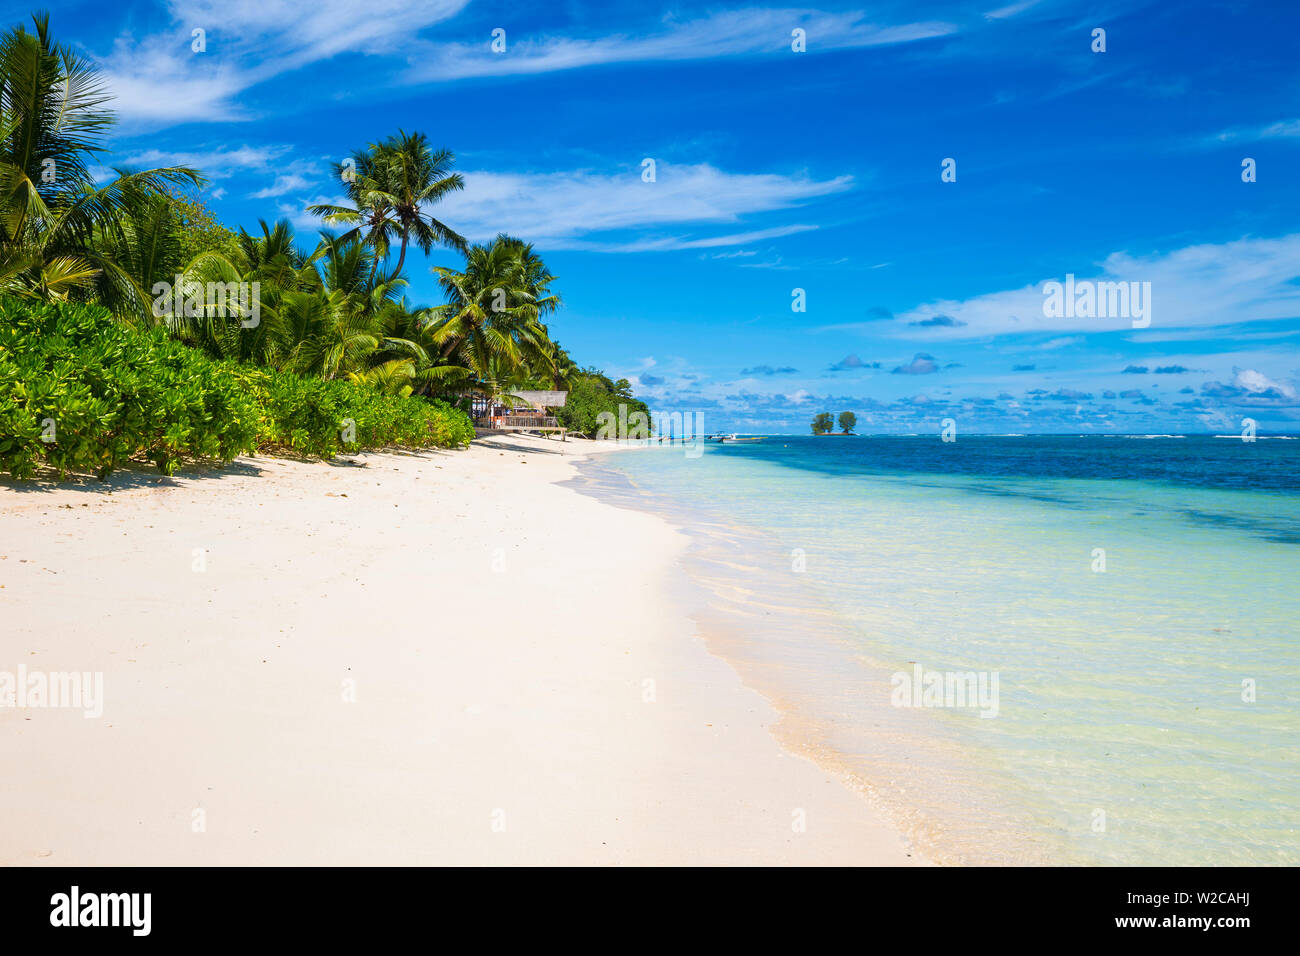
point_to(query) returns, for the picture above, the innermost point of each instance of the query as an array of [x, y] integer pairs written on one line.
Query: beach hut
[[518, 411]]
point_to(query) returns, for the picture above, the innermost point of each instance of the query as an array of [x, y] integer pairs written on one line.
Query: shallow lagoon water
[[1136, 598]]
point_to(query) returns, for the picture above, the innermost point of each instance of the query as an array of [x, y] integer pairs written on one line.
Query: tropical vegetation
[[824, 423], [142, 327], [82, 393], [592, 393]]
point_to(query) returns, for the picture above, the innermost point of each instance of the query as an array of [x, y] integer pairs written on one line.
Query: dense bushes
[[81, 392], [318, 417]]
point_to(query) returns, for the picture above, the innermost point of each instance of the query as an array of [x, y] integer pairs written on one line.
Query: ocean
[[1021, 649]]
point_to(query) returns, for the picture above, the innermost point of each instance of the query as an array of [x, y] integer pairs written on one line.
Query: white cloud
[[213, 163], [283, 184], [564, 210], [287, 176], [1210, 332], [677, 242], [311, 31], [1253, 381], [159, 79], [1284, 128], [1245, 280], [729, 33], [558, 210], [1060, 343]]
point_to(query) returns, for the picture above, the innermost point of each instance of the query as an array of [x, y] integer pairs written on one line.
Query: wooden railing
[[517, 421]]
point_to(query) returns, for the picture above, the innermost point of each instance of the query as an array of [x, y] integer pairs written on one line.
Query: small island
[[823, 426]]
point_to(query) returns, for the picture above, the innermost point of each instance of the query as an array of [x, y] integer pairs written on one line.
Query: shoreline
[[787, 640], [523, 688]]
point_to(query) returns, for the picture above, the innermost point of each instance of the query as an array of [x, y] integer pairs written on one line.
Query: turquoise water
[[1125, 732]]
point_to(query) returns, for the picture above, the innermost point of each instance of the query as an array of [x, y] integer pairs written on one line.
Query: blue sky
[[779, 170]]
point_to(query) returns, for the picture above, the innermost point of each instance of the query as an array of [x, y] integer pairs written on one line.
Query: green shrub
[[81, 392], [316, 417]]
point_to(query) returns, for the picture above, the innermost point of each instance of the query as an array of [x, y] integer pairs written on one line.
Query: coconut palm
[[274, 259], [144, 246], [564, 368], [491, 323], [51, 210], [391, 185], [329, 314]]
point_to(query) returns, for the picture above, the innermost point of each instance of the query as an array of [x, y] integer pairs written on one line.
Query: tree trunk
[[400, 259]]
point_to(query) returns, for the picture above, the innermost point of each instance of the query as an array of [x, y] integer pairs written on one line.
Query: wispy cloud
[[1282, 129], [216, 163], [677, 242], [160, 79], [286, 183], [303, 221], [564, 209], [1003, 13], [264, 162], [249, 42], [1249, 279], [731, 33]]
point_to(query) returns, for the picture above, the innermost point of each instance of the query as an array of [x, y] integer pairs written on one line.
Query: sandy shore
[[435, 659]]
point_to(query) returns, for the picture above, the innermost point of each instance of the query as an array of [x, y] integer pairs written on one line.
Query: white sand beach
[[443, 658]]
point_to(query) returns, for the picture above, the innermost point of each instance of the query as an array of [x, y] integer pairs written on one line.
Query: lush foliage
[[848, 422], [592, 392], [823, 424], [310, 333], [54, 218], [492, 322], [198, 229], [81, 393], [391, 186], [323, 418]]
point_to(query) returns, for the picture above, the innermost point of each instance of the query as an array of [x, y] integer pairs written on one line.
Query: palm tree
[[51, 210], [491, 323], [329, 314], [274, 259], [337, 336], [145, 245], [538, 301], [564, 368], [391, 185]]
